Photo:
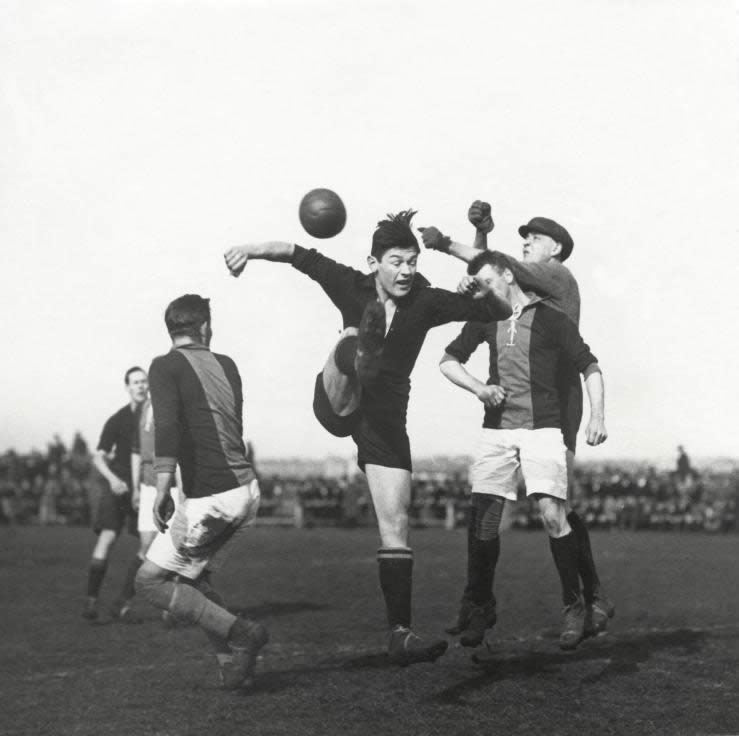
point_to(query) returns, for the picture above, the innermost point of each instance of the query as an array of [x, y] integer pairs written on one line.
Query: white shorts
[[539, 453], [147, 496], [201, 527]]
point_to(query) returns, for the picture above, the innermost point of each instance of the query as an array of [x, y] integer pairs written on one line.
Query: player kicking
[[197, 400], [364, 388], [546, 246], [521, 430]]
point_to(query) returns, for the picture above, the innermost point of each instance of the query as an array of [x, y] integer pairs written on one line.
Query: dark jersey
[[197, 399], [117, 438], [421, 309], [524, 357]]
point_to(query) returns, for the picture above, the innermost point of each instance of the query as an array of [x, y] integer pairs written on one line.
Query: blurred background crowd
[[61, 486]]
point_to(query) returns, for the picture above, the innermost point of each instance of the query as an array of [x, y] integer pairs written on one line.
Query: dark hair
[[130, 371], [487, 258], [394, 232], [186, 314]]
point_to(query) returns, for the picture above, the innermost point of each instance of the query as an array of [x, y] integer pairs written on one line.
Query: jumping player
[[546, 246], [522, 430], [386, 315], [114, 511], [197, 399]]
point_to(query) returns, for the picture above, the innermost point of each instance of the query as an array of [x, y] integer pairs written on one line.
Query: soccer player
[[386, 316], [113, 460], [197, 399], [143, 494], [522, 430], [546, 246]]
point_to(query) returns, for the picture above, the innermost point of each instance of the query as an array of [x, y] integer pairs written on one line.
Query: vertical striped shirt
[[197, 399]]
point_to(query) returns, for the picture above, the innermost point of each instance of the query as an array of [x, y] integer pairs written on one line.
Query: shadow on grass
[[623, 655], [276, 608]]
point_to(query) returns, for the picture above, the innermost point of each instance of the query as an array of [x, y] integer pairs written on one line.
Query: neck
[[518, 297], [180, 340], [381, 293]]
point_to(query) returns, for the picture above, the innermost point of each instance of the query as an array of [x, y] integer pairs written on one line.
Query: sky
[[142, 139]]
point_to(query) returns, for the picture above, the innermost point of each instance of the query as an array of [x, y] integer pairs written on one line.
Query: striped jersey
[[524, 354], [197, 399]]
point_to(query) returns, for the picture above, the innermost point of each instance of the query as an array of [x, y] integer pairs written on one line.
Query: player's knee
[[148, 578], [554, 517], [394, 529]]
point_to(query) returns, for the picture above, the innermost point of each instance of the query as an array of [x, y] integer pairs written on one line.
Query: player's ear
[[557, 249], [372, 263], [508, 276]]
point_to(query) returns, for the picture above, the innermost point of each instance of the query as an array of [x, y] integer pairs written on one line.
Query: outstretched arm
[[458, 375], [595, 432], [479, 214], [274, 250]]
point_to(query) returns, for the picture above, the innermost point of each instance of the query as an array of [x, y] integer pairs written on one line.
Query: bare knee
[[554, 516], [105, 541], [150, 575], [394, 529]]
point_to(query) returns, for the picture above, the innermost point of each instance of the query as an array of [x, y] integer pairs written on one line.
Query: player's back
[[197, 398]]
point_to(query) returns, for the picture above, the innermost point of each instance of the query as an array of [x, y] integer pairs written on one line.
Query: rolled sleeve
[[462, 347]]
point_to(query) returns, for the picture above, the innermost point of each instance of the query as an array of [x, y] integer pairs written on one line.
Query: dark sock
[[565, 554], [586, 564], [95, 576], [344, 355], [396, 580], [128, 590], [483, 547]]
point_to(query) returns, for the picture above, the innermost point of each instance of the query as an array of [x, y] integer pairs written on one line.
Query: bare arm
[[595, 432], [452, 369], [100, 461], [163, 504], [273, 250]]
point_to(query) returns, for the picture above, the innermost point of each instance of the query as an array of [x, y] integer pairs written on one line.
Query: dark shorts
[[570, 397], [114, 512], [337, 425], [379, 442]]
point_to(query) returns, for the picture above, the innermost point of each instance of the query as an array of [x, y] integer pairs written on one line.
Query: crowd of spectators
[[59, 486]]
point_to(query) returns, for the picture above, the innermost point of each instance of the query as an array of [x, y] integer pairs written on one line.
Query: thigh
[[334, 423], [390, 489], [543, 462], [495, 468]]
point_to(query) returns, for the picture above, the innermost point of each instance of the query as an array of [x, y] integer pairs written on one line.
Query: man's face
[[539, 248], [488, 280], [137, 386], [395, 270]]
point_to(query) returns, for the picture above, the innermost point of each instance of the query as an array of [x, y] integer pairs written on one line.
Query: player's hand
[[480, 215], [163, 510], [119, 487], [434, 239], [236, 259], [595, 432], [491, 396], [467, 286]]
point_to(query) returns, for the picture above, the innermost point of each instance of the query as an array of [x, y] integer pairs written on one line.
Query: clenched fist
[[479, 214]]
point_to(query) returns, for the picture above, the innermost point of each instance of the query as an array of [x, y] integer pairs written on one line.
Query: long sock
[[586, 564], [396, 580], [483, 547], [187, 603], [128, 590], [344, 355], [95, 576], [565, 554], [204, 586]]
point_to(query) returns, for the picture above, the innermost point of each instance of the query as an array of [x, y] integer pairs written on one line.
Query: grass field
[[669, 664]]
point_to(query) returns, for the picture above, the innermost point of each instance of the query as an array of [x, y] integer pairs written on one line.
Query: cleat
[[481, 618], [573, 626], [405, 648], [370, 342], [237, 668], [90, 610], [598, 613], [462, 621], [121, 611]]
